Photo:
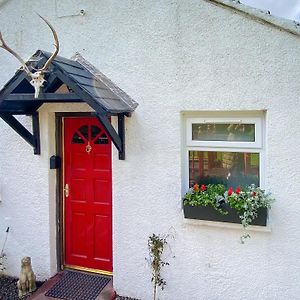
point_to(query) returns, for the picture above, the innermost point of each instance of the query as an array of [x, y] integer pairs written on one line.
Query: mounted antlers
[[37, 78]]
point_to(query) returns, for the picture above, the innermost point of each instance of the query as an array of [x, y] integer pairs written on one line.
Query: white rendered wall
[[171, 57]]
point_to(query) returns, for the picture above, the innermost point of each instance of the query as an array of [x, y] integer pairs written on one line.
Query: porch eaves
[[106, 81], [96, 84], [258, 15]]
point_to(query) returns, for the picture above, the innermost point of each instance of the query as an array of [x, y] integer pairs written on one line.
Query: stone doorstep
[[108, 293]]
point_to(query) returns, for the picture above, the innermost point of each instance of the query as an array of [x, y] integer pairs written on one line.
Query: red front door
[[87, 195]]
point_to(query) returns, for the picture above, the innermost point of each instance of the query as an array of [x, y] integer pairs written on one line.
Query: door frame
[[60, 251]]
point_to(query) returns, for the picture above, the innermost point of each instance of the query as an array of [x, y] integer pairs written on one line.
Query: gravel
[[9, 290]]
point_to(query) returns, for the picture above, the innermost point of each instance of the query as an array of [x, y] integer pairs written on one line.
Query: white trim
[[189, 118], [224, 149], [228, 144], [226, 225], [261, 153]]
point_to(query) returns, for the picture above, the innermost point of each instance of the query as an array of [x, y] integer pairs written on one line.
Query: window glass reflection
[[229, 168], [223, 132]]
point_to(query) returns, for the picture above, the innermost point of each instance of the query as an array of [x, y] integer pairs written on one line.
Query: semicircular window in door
[[93, 134]]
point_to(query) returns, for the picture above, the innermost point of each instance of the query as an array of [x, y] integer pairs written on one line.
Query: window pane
[[224, 132], [101, 139], [84, 131], [95, 131], [229, 168], [77, 139]]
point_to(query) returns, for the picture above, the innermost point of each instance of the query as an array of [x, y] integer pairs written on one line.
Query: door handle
[[67, 190]]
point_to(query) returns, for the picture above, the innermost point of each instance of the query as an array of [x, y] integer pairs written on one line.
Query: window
[[89, 133], [227, 150], [225, 132]]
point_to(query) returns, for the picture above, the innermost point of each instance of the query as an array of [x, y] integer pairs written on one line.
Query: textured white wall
[[171, 57]]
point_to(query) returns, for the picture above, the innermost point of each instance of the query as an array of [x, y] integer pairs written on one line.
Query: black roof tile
[[94, 85]]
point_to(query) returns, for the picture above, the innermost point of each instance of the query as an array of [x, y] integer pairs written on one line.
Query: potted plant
[[214, 202]]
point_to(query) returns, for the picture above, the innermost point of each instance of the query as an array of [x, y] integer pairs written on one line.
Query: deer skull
[[37, 78]]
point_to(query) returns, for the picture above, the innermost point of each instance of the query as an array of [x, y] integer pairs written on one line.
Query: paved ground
[[9, 291]]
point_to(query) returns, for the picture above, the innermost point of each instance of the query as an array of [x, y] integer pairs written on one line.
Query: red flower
[[254, 194], [196, 187], [203, 187], [230, 191], [238, 190]]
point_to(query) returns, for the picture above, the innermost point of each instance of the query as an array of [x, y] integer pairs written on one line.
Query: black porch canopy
[[67, 81]]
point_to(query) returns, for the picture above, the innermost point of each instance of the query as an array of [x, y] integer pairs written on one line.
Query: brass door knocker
[[88, 148]]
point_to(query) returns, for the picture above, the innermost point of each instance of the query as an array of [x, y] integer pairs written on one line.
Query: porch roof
[[88, 84], [67, 80]]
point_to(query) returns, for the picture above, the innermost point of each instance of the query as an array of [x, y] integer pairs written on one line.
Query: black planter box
[[208, 213]]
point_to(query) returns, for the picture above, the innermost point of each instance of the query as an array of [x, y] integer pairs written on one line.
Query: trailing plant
[[3, 255], [156, 246], [245, 200]]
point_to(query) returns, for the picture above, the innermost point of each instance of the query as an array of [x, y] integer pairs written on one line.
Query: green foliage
[[246, 200], [210, 195], [156, 245]]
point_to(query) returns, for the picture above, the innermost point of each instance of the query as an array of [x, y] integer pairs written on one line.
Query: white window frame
[[221, 120], [258, 146]]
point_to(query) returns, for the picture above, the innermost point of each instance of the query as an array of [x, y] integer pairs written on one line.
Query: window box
[[224, 168], [208, 213]]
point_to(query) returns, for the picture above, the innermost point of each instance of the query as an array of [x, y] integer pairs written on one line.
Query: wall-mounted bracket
[[118, 138], [31, 138]]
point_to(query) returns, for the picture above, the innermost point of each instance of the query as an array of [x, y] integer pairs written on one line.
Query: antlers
[[56, 44], [48, 62], [37, 78], [17, 56]]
